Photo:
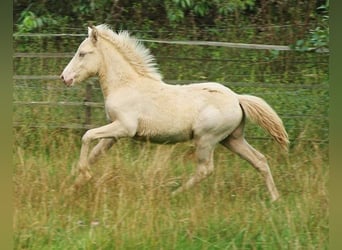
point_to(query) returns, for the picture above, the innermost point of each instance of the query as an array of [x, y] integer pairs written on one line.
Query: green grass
[[127, 204]]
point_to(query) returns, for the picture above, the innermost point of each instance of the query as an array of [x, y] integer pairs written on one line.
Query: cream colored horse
[[140, 105]]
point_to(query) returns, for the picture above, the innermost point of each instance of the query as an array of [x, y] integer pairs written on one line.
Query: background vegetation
[[127, 204]]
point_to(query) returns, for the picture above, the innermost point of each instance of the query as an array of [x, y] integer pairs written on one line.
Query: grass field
[[127, 204]]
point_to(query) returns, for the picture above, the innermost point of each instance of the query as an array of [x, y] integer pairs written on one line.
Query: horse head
[[86, 61]]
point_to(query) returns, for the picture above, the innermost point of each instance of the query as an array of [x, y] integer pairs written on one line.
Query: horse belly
[[164, 138], [169, 131]]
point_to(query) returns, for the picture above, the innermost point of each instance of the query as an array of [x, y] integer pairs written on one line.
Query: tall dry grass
[[127, 204]]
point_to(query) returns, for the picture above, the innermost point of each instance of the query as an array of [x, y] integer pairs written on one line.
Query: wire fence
[[295, 84]]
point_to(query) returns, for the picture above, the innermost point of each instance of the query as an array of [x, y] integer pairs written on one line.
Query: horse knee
[[86, 138], [204, 171]]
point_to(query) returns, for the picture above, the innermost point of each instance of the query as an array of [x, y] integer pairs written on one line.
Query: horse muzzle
[[69, 81]]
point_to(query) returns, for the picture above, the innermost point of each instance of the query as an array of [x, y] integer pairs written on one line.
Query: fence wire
[[294, 83]]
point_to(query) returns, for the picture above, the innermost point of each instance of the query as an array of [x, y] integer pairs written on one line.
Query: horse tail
[[258, 111]]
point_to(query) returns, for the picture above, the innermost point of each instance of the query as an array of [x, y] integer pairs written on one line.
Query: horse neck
[[116, 71]]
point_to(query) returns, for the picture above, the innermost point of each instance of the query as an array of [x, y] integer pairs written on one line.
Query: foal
[[140, 105]]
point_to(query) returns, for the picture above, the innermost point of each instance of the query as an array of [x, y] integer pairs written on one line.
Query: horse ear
[[92, 33]]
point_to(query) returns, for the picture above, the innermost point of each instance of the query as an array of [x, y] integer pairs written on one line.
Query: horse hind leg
[[205, 166], [240, 146]]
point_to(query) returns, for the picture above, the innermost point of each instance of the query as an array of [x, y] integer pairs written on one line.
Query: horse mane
[[138, 56]]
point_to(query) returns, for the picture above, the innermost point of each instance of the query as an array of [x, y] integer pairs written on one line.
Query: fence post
[[88, 95]]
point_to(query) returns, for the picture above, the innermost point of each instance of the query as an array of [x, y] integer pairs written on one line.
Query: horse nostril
[[62, 77]]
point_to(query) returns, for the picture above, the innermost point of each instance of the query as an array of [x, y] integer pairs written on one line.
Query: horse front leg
[[108, 134], [100, 148], [83, 170], [83, 166], [103, 146]]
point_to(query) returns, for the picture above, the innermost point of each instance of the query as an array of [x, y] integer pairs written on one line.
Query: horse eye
[[82, 54]]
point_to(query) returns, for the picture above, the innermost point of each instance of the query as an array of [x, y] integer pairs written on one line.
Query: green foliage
[[318, 38], [36, 19], [178, 10], [227, 7], [163, 16], [30, 22]]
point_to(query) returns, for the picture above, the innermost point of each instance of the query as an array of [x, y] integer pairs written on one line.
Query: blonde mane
[[138, 56]]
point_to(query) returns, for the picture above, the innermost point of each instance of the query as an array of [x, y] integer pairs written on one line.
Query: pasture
[[127, 204]]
